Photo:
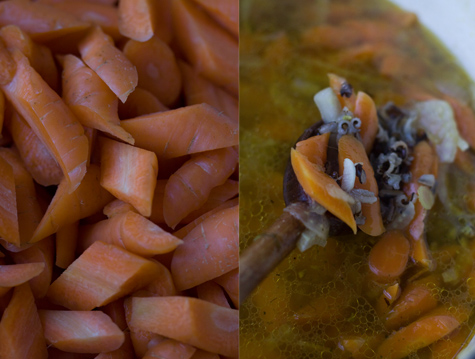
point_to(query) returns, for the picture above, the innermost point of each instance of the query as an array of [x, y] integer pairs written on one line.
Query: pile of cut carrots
[[119, 179]]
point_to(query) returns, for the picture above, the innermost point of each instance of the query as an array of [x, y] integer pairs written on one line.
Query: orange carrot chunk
[[100, 54], [140, 102], [80, 332], [322, 188], [226, 12], [50, 118], [365, 110], [67, 208], [389, 256], [136, 19], [66, 241], [15, 274], [189, 187], [190, 320], [230, 282], [91, 100], [103, 273], [129, 173], [21, 334], [343, 91], [9, 230], [170, 349], [213, 293], [315, 148], [208, 251], [183, 131], [131, 231]]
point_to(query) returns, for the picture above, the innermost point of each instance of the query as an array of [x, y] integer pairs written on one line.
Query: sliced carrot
[[136, 19], [91, 100], [350, 147], [156, 67], [208, 251], [21, 334], [202, 354], [189, 187], [343, 91], [322, 188], [170, 349], [315, 148], [50, 118], [43, 22], [66, 241], [449, 347], [117, 207], [125, 351], [15, 274], [162, 285], [67, 208], [465, 118], [84, 285], [390, 294], [230, 282], [40, 56], [129, 173], [42, 251], [196, 322], [416, 299], [365, 110], [360, 346], [198, 89], [217, 56], [9, 229], [80, 331], [183, 131], [100, 54], [225, 12], [140, 102], [425, 162], [417, 335], [8, 65], [131, 231], [213, 293], [464, 161]]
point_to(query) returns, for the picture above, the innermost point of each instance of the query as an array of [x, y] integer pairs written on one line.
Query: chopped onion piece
[[363, 196], [349, 175], [436, 118], [328, 104], [427, 179]]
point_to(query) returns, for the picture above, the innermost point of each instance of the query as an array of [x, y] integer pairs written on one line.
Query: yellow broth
[[281, 68]]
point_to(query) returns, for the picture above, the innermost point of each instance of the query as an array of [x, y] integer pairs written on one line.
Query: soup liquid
[[322, 303]]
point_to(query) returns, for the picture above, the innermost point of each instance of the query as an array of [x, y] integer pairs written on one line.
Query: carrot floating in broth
[[21, 333], [225, 12], [136, 19], [217, 56], [37, 159], [189, 187], [170, 349], [50, 118], [100, 54], [315, 148], [183, 131], [84, 285], [129, 173], [465, 119], [9, 229], [80, 331], [157, 68], [140, 102], [66, 208], [343, 90], [208, 251], [350, 147], [91, 100], [365, 110], [196, 322]]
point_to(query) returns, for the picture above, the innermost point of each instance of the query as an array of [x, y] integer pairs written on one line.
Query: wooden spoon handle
[[267, 251]]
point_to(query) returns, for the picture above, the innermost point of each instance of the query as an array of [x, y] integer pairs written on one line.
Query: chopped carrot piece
[[156, 67], [225, 12], [117, 207], [166, 134], [162, 285], [131, 231], [129, 173], [465, 118], [21, 334], [417, 335], [15, 274], [315, 148], [42, 251], [208, 251], [191, 26], [170, 349], [66, 241], [230, 282], [140, 102], [350, 147], [213, 293], [100, 54], [80, 331], [322, 188], [188, 188], [37, 159], [136, 19], [450, 346], [91, 100], [50, 118], [67, 208], [202, 354], [8, 206], [343, 91], [8, 65], [42, 21], [84, 285], [365, 110], [196, 322], [198, 89]]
